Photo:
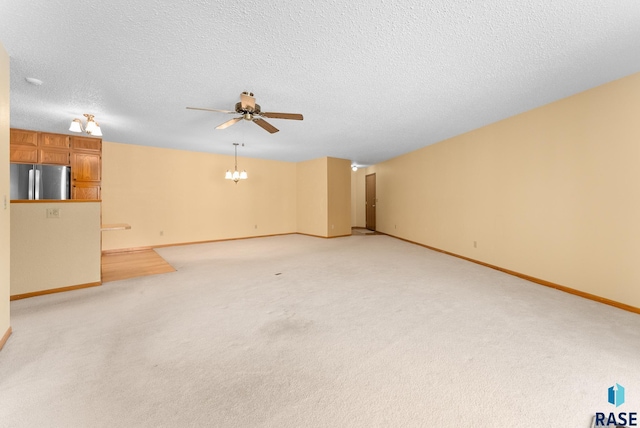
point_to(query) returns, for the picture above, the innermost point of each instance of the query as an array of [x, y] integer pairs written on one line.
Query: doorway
[[370, 201]]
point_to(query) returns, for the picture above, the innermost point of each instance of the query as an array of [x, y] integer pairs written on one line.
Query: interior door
[[370, 201]]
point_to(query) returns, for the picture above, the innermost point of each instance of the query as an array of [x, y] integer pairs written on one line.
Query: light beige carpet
[[296, 331]]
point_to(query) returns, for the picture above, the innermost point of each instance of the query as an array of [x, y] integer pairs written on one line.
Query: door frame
[[370, 201]]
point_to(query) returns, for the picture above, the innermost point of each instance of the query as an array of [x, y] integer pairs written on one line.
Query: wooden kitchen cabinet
[[86, 166], [58, 141], [86, 144], [53, 149], [23, 146], [38, 147], [83, 154], [85, 190], [23, 154], [23, 137], [56, 157]]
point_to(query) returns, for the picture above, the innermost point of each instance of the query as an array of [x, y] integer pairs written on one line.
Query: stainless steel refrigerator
[[31, 181]]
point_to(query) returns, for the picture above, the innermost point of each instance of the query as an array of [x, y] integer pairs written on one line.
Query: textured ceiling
[[373, 78]]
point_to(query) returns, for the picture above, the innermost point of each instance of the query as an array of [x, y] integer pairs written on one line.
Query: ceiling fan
[[249, 110]]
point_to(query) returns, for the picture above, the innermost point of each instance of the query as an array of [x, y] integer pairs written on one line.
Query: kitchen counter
[[49, 201], [55, 246]]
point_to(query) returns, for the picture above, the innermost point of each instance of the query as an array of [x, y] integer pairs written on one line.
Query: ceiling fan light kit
[[249, 110], [92, 128]]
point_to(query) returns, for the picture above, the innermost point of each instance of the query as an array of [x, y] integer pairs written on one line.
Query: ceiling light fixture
[[91, 128], [33, 81], [354, 168], [235, 175]]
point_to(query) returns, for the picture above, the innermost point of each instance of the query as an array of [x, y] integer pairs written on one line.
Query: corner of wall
[[5, 212], [338, 197], [312, 197]]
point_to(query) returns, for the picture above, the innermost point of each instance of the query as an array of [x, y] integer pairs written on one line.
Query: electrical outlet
[[5, 202], [475, 244], [53, 212], [256, 226], [162, 233]]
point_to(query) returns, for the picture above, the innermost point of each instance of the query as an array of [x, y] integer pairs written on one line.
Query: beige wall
[[553, 193], [5, 212], [174, 196], [50, 253], [324, 197], [312, 197], [338, 197]]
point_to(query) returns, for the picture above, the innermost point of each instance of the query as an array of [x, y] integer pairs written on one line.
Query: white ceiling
[[373, 78]]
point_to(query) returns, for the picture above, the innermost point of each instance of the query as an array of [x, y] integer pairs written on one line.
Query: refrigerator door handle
[[37, 184], [30, 191]]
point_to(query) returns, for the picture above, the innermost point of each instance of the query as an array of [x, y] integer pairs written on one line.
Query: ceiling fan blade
[[228, 123], [292, 116], [266, 125], [247, 101], [211, 109]]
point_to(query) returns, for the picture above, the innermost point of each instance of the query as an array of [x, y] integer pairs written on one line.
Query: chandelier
[[235, 175], [91, 128]]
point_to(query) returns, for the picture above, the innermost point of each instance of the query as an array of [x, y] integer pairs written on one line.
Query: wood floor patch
[[130, 265], [362, 231]]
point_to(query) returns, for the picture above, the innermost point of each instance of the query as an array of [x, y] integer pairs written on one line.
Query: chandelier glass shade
[[91, 128]]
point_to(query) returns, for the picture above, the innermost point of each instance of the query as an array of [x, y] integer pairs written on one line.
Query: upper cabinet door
[[23, 137], [23, 154], [51, 141], [86, 143], [57, 157], [86, 166]]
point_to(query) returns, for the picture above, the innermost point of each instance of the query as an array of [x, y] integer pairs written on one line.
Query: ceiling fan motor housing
[[247, 112]]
